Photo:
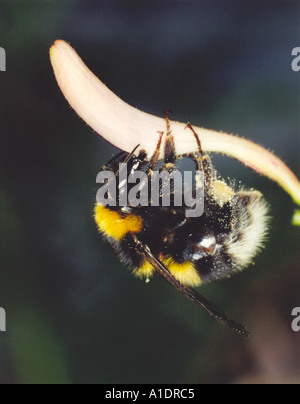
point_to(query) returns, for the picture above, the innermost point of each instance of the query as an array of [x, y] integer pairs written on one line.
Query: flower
[[125, 126], [296, 218]]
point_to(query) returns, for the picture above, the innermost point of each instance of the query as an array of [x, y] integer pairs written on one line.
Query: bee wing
[[190, 293]]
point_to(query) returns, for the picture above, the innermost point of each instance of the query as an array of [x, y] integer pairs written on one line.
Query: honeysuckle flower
[[125, 126]]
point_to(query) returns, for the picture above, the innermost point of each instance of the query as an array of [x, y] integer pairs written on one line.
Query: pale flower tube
[[125, 126]]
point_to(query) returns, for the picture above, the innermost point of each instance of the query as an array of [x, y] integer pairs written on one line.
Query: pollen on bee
[[222, 192], [114, 225]]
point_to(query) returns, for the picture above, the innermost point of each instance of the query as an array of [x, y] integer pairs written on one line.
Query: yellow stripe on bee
[[184, 273], [114, 225], [145, 271]]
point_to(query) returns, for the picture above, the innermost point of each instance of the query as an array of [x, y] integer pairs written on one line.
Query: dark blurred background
[[74, 313]]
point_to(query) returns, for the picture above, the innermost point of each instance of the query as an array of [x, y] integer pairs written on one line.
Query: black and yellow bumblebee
[[186, 251]]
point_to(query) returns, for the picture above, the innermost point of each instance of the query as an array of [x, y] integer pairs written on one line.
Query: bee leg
[[155, 158], [191, 294], [170, 149], [202, 160]]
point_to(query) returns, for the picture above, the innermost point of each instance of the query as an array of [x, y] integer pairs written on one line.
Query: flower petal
[[296, 218], [125, 126]]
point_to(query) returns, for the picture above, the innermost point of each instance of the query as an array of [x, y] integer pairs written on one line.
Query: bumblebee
[[186, 251]]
